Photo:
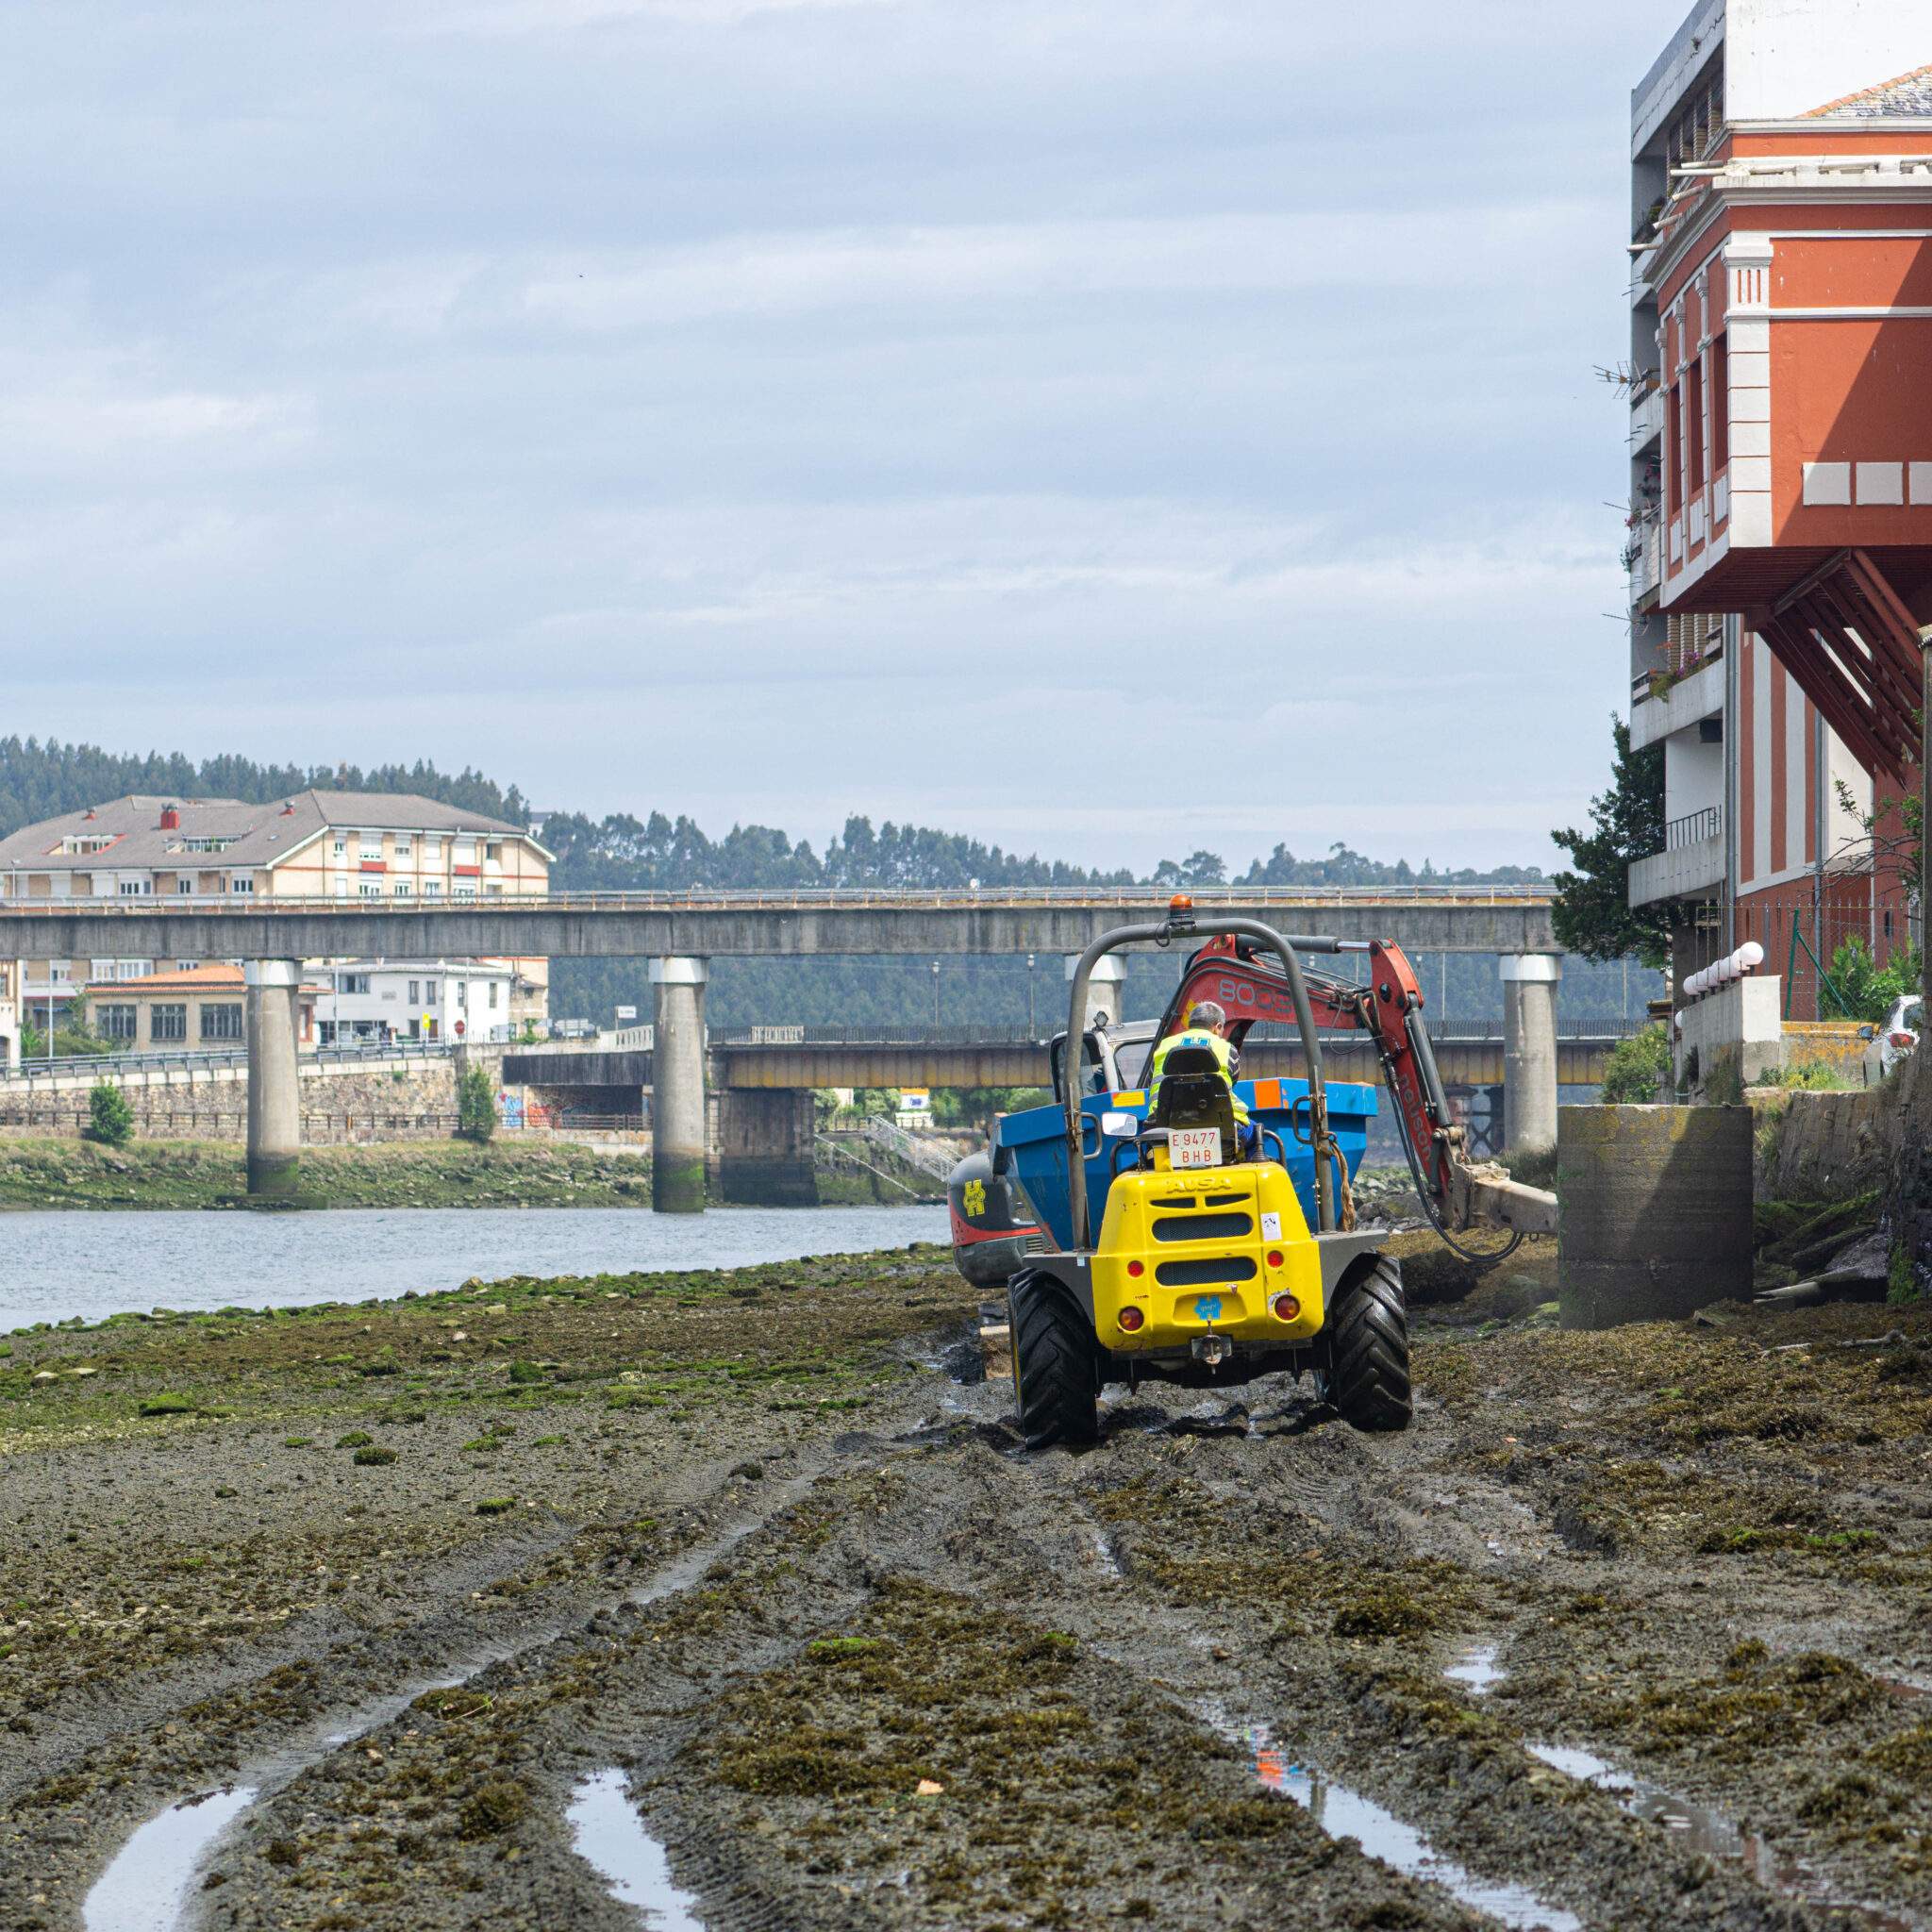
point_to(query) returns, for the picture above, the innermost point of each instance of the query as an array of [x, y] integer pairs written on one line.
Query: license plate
[[1193, 1147]]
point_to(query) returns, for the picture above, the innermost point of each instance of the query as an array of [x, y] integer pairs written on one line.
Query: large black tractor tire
[[1056, 1364], [1364, 1371]]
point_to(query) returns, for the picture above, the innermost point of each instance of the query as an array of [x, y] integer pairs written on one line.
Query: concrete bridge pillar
[[765, 1147], [1105, 989], [678, 1091], [1530, 1050], [274, 1093]]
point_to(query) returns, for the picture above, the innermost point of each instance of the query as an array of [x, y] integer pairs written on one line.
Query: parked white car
[[1899, 1036]]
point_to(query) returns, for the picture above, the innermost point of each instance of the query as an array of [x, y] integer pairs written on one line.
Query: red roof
[[215, 977]]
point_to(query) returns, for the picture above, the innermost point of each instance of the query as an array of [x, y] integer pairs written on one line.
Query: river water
[[92, 1264]]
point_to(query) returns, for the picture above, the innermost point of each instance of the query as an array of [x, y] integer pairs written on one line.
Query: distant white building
[[371, 1001]]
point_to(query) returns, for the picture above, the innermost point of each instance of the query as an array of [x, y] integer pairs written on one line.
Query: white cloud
[[772, 410], [1199, 256], [503, 17]]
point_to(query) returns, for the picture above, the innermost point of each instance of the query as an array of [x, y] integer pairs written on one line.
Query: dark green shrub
[[109, 1119], [476, 1106], [1636, 1067]]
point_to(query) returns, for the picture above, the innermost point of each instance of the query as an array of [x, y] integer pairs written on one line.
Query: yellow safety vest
[[1223, 1054]]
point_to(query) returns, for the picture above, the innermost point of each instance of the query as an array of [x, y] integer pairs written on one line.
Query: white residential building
[[377, 1000]]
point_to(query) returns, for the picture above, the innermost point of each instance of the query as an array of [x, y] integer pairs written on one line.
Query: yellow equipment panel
[[1202, 1251]]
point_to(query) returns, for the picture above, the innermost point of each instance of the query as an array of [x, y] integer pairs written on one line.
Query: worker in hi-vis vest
[[1207, 1027]]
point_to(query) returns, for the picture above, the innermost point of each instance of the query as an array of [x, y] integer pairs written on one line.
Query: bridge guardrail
[[743, 1040], [799, 898], [218, 1059]]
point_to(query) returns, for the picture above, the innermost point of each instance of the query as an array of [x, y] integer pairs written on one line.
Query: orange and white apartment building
[[1780, 553], [315, 846]]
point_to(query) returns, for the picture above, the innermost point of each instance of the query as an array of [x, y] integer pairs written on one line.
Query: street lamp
[[935, 994], [1031, 1028]]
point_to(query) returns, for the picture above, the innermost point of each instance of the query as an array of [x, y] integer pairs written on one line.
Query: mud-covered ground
[[859, 1662]]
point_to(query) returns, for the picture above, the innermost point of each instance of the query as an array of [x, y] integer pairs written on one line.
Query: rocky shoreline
[[208, 1173]]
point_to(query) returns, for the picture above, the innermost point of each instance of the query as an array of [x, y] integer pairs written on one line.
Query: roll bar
[[1178, 924]]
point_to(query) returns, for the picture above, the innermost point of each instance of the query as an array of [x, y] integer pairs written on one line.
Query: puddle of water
[[610, 1835], [1477, 1669], [1701, 1829], [1344, 1813], [145, 1888]]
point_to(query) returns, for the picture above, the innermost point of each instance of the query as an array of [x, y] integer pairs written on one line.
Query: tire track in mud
[[264, 1780], [160, 1818], [1573, 1845], [1312, 1584], [945, 1507]]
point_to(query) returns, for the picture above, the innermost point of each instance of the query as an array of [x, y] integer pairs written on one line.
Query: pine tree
[[1593, 914]]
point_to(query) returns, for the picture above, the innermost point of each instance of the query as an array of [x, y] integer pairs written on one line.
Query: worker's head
[[1207, 1017]]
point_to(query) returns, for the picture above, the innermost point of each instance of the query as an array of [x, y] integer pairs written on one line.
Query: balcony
[[1699, 693], [1643, 558], [1691, 864], [1646, 419]]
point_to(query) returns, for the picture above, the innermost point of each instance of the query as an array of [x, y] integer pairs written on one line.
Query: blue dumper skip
[[1036, 1144]]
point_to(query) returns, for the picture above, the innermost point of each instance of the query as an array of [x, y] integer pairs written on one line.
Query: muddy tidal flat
[[731, 1596]]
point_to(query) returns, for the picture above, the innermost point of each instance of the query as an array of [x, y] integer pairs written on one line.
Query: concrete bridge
[[708, 926], [761, 1087], [822, 1057], [680, 932]]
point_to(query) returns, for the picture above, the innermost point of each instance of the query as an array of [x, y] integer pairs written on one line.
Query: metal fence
[[1801, 940], [1693, 828]]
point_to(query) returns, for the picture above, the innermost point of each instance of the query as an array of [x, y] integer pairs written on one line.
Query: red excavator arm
[[1456, 1192]]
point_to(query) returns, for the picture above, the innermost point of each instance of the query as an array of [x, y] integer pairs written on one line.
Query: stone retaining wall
[[1822, 1147], [413, 1098]]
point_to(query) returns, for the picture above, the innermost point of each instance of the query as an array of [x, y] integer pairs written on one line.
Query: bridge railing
[[217, 1060], [799, 898], [759, 1037]]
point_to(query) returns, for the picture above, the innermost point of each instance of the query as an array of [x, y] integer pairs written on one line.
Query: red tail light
[[1136, 1268], [1274, 1258], [1905, 1038], [1285, 1307], [1131, 1318]]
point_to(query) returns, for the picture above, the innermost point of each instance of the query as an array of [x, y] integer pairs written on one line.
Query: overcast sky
[[1108, 427]]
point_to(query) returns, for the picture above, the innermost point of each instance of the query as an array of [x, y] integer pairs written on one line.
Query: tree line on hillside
[[666, 855], [42, 780]]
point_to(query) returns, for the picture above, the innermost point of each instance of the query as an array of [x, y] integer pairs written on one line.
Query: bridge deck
[[1474, 1060], [707, 924]]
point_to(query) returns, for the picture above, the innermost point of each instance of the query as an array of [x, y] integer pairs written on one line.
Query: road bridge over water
[[679, 933], [1468, 1056], [762, 1085]]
